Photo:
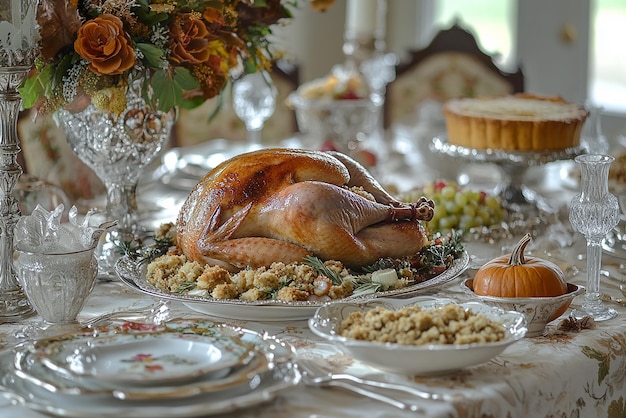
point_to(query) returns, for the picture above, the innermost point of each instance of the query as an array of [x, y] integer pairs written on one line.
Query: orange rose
[[103, 42], [189, 40]]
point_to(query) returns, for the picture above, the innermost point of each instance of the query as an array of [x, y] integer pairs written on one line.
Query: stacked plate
[[182, 368]]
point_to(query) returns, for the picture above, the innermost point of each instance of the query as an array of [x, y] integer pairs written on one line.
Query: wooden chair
[[196, 126], [451, 66]]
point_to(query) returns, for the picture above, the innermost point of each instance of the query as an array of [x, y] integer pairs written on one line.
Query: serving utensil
[[155, 313], [314, 374], [315, 377]]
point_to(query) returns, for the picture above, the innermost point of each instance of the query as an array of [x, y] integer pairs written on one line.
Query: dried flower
[[103, 42], [59, 22], [572, 324], [183, 50], [189, 40]]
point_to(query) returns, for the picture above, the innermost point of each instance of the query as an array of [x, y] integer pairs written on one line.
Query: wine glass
[[594, 212], [254, 101]]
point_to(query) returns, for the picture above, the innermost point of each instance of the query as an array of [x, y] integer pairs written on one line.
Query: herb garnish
[[136, 250], [321, 269]]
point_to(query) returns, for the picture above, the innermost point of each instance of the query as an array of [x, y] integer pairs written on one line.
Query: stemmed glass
[[594, 212], [254, 101]]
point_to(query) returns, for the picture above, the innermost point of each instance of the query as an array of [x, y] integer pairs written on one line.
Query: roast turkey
[[284, 204]]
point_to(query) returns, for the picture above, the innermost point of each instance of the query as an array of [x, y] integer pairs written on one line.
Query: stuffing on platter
[[312, 279]]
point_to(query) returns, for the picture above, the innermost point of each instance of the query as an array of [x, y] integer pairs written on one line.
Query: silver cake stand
[[515, 195]]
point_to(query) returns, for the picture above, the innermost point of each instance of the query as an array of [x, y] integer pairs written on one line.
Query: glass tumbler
[[57, 284]]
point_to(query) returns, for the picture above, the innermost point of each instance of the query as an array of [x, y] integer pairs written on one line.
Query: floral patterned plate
[[145, 358], [37, 373], [279, 375], [27, 367]]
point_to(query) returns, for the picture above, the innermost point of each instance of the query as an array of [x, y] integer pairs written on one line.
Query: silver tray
[[133, 274]]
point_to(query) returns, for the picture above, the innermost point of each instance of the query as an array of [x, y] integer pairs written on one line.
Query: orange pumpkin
[[514, 275]]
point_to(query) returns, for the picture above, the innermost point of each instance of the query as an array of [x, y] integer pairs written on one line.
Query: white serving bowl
[[537, 310], [416, 359]]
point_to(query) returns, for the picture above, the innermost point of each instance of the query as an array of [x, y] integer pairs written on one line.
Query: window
[[590, 67], [607, 60], [489, 20]]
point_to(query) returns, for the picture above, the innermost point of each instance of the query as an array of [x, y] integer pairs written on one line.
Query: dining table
[[567, 371]]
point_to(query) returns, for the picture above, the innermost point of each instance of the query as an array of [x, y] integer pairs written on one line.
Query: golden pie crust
[[520, 122]]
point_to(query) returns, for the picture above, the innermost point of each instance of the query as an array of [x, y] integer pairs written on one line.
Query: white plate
[[264, 389], [144, 358], [261, 388], [132, 273], [413, 359], [29, 368]]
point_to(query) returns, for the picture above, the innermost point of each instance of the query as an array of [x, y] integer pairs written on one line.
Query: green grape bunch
[[458, 208]]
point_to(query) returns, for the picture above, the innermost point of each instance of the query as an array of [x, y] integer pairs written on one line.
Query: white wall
[[314, 40]]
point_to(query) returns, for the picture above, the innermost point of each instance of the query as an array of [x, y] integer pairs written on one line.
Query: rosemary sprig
[[366, 288], [136, 250], [183, 287], [321, 269], [271, 293]]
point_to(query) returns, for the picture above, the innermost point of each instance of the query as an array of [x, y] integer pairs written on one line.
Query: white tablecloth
[[559, 374]]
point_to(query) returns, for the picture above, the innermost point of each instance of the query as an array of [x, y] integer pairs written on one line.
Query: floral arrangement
[[183, 51]]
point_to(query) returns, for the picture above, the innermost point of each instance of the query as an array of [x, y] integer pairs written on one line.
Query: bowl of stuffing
[[423, 335]]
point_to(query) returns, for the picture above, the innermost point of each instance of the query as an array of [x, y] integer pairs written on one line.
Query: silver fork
[[311, 380], [320, 376], [154, 313]]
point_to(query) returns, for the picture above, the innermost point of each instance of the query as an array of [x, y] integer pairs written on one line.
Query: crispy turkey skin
[[284, 204]]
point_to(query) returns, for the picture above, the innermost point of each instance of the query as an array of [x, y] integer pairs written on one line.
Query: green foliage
[[321, 269], [168, 87], [154, 56], [35, 87]]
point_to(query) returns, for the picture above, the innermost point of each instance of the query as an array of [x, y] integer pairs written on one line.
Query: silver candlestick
[[18, 49]]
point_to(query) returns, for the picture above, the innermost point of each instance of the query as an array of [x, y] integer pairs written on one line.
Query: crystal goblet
[[118, 147], [594, 212], [254, 101]]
